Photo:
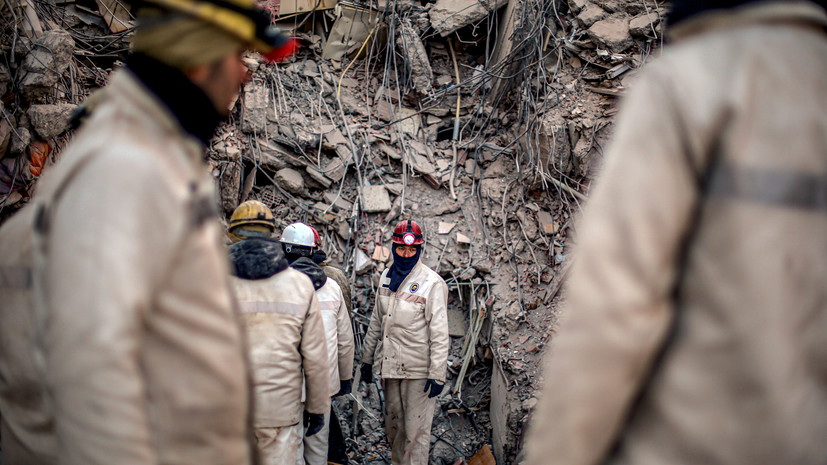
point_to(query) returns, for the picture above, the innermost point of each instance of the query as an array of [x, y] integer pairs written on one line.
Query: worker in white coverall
[[696, 326], [407, 345], [125, 346], [285, 334], [299, 242]]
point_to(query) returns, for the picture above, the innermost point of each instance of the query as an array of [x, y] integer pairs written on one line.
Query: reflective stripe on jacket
[[285, 335], [408, 333]]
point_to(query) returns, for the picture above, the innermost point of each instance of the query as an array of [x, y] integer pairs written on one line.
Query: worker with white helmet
[[299, 242]]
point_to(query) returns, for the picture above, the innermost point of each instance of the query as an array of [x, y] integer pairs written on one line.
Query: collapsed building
[[484, 121]]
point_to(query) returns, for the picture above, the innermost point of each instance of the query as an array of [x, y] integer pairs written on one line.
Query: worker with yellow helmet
[[285, 334], [135, 337]]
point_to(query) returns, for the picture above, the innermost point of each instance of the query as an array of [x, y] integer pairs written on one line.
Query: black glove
[[367, 373], [344, 387], [435, 388], [313, 422]]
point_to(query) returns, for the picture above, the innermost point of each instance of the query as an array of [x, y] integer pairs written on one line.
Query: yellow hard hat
[[252, 213], [240, 18]]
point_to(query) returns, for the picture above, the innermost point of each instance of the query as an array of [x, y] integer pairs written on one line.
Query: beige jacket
[[143, 354], [338, 333], [697, 307], [26, 423], [408, 333], [287, 346]]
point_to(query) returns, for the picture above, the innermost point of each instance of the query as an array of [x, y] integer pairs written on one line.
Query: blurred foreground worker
[[301, 240], [285, 335], [407, 345], [697, 305], [136, 356]]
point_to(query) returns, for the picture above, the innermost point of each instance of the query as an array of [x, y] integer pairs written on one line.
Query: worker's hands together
[[313, 422], [367, 373], [435, 388], [345, 386]]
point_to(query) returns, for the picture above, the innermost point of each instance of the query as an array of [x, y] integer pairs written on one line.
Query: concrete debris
[[546, 223], [416, 57], [5, 78], [457, 326], [445, 228], [590, 15], [448, 16], [578, 5], [50, 120], [463, 239], [254, 114], [290, 180], [644, 25], [375, 199], [612, 33], [381, 254], [361, 262], [45, 64]]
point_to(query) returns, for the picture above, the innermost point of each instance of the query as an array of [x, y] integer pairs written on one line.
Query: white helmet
[[298, 234]]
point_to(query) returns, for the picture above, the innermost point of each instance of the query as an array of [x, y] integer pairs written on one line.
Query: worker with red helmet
[[407, 345]]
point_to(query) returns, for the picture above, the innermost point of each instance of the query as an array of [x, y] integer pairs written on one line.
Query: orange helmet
[[407, 232]]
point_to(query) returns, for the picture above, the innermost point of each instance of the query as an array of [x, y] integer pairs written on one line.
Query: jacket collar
[[793, 12]]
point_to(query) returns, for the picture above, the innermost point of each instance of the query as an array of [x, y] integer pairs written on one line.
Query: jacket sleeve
[[314, 360], [344, 333], [619, 307], [374, 331], [437, 314], [107, 245]]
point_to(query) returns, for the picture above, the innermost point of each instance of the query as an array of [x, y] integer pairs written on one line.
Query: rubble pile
[[483, 121]]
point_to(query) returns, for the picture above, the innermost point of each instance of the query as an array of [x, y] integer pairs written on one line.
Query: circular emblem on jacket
[[414, 287]]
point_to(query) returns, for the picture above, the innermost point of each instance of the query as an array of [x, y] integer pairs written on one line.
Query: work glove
[[344, 387], [367, 373], [435, 388], [313, 422]]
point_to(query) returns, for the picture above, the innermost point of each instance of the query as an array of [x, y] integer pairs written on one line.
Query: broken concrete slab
[[361, 262], [463, 239], [339, 202], [116, 14], [47, 61], [50, 120], [498, 168], [457, 326], [447, 16], [290, 180], [409, 121], [318, 176], [416, 57], [577, 5], [381, 254], [445, 228], [254, 110], [612, 33], [644, 25], [375, 199], [546, 222], [590, 15]]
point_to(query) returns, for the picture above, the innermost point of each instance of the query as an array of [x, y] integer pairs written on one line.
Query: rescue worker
[[285, 335], [407, 345], [300, 239], [697, 305], [137, 346], [333, 272]]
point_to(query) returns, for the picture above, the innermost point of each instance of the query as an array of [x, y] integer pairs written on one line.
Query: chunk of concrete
[[50, 120], [447, 16], [578, 5], [612, 33], [45, 64], [457, 326], [254, 113], [643, 25], [290, 180], [416, 57], [590, 15], [497, 169], [546, 222], [375, 199]]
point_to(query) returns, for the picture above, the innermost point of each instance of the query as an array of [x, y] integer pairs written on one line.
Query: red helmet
[[407, 232], [316, 237]]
